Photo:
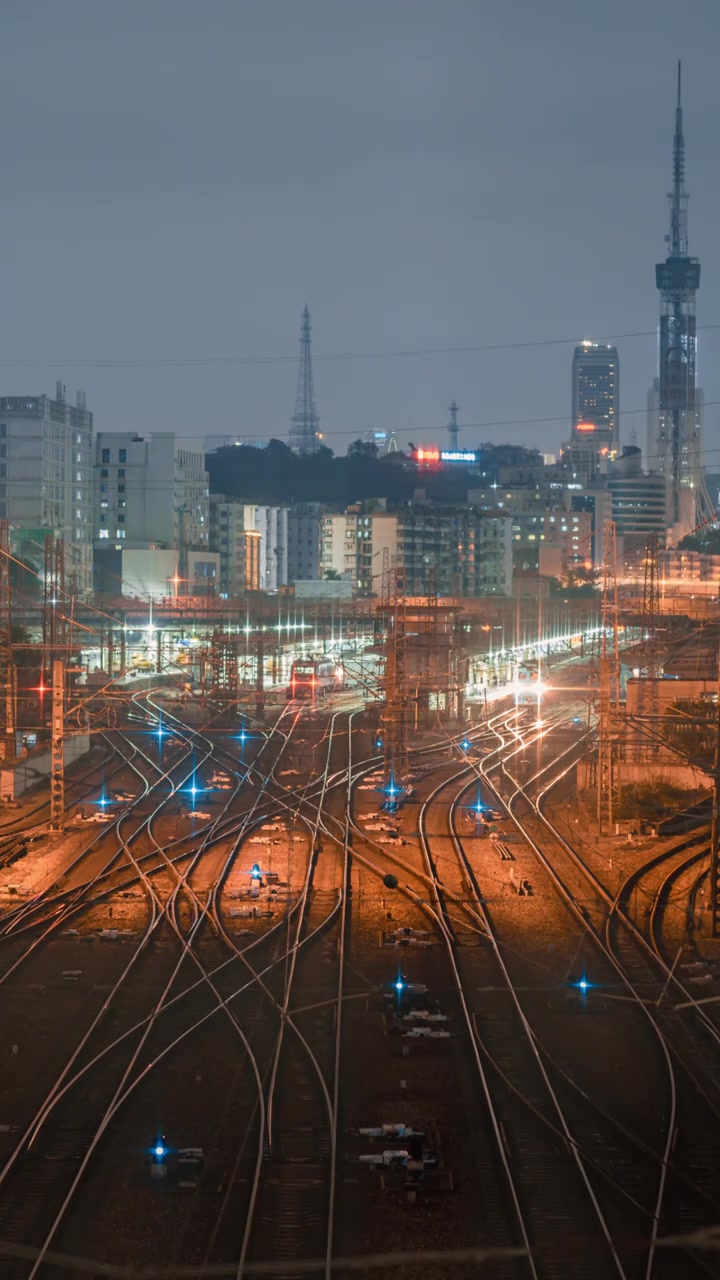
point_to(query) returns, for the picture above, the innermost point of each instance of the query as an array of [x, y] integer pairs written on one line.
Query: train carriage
[[314, 678]]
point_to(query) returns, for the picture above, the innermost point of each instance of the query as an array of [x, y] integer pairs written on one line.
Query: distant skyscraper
[[304, 434], [596, 395], [675, 421]]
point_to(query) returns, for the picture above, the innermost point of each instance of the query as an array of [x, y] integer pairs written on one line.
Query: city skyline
[[467, 198]]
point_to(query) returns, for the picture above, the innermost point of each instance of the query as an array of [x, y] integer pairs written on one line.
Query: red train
[[314, 678]]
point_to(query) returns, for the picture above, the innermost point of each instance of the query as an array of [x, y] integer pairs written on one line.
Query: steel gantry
[[395, 714], [609, 682], [7, 666]]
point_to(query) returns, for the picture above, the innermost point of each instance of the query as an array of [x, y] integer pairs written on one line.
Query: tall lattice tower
[[304, 434], [453, 428], [678, 443]]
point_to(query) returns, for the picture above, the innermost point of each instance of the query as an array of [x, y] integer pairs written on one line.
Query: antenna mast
[[304, 424], [453, 427]]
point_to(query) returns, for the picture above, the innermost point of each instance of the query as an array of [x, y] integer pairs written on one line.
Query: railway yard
[[264, 1016]]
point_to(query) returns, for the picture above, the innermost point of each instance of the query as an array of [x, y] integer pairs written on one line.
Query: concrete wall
[[19, 776]]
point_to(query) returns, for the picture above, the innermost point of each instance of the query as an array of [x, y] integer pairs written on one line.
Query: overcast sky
[[180, 176]]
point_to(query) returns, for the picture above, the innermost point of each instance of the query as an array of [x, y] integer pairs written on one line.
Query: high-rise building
[[303, 541], [252, 542], [46, 461], [148, 493], [639, 506], [45, 476], [675, 423], [596, 395]]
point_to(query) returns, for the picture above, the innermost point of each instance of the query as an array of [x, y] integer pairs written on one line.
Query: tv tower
[[678, 443], [304, 435]]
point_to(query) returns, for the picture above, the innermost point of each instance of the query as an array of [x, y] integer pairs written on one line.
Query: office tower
[[596, 395]]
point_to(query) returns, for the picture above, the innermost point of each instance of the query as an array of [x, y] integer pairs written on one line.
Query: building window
[[119, 533], [3, 469], [103, 533], [105, 456], [104, 504], [121, 488], [104, 473], [3, 430], [121, 519], [122, 455], [121, 473]]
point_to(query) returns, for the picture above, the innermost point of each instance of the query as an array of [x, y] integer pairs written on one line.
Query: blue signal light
[[466, 745], [159, 1151], [255, 872]]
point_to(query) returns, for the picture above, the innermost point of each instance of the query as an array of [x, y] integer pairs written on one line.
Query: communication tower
[[679, 443], [304, 424]]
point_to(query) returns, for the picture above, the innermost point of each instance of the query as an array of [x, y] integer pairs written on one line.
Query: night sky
[[179, 177]]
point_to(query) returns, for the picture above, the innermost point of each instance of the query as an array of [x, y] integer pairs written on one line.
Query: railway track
[[685, 1192]]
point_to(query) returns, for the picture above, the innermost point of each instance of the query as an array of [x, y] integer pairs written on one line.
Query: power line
[[401, 353]]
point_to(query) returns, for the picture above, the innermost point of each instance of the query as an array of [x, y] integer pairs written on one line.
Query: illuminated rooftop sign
[[428, 455], [455, 455], [585, 426]]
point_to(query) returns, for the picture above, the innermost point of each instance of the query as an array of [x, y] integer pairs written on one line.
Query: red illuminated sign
[[428, 455], [585, 426]]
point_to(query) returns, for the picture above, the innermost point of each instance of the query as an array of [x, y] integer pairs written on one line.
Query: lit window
[[103, 533], [119, 533]]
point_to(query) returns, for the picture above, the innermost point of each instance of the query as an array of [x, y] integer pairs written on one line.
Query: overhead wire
[[400, 353]]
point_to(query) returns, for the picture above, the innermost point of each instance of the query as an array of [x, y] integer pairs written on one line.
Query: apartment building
[[147, 492], [450, 550], [46, 474], [252, 542]]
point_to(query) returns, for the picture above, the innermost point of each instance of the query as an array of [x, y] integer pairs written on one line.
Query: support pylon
[[57, 774], [715, 830], [650, 604], [7, 667], [396, 694], [609, 682]]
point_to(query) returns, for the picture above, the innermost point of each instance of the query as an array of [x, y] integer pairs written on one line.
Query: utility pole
[[396, 693], [7, 667], [609, 681], [57, 774], [715, 833], [650, 604], [260, 675]]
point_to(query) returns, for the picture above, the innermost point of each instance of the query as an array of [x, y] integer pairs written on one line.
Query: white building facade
[[46, 475], [147, 493]]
